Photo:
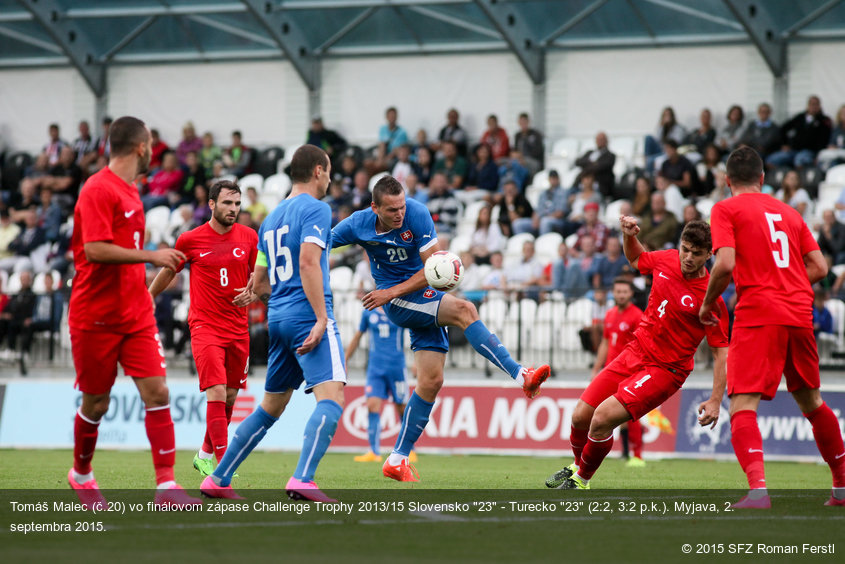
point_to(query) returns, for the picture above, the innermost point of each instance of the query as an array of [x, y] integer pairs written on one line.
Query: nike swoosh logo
[[629, 391], [129, 214], [219, 447], [164, 365], [84, 456], [160, 451], [244, 380], [205, 253], [839, 456], [662, 275], [753, 450]]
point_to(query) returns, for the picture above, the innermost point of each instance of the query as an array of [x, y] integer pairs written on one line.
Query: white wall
[[621, 91]]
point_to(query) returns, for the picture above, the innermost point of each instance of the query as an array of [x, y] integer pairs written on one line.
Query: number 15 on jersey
[[281, 266]]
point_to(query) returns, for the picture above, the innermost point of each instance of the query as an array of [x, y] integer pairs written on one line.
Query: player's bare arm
[[378, 298], [311, 272], [816, 266], [162, 280], [708, 411], [720, 277], [630, 244], [109, 253], [601, 357]]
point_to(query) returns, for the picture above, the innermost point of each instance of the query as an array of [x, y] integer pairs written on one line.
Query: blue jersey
[[386, 341], [294, 222], [395, 255]]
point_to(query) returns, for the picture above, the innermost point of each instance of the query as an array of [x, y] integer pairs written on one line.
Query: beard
[[224, 219], [144, 161]]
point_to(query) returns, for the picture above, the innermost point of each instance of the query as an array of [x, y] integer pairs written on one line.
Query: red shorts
[[636, 381], [758, 356], [96, 354], [221, 360]]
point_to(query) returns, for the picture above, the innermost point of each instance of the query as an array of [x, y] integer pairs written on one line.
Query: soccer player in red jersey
[[222, 256], [111, 314], [657, 362], [774, 260], [620, 322]]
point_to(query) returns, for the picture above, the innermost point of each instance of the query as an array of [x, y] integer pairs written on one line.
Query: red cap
[[591, 206]]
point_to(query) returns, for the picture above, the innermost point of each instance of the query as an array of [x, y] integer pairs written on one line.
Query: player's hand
[[376, 298], [169, 258], [245, 297], [707, 316], [314, 337], [708, 412], [629, 225]]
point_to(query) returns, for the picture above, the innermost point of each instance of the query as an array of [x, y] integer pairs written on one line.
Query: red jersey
[[619, 327], [670, 330], [219, 265], [110, 297], [772, 287]]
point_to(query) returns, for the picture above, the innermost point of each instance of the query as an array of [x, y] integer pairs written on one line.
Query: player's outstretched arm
[[720, 277], [816, 266], [162, 280], [311, 272], [630, 244], [709, 410], [109, 253], [378, 298]]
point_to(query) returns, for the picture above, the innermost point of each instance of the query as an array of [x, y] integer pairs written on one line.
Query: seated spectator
[[822, 323], [497, 139], [50, 215], [99, 157], [46, 316], [668, 128], [803, 137], [514, 169], [194, 175], [254, 206], [762, 134], [794, 195], [609, 264], [360, 197], [64, 179], [553, 209], [402, 167], [346, 172], [453, 132], [159, 147], [391, 136], [202, 212], [53, 148], [24, 199], [189, 142], [593, 228], [527, 274], [165, 186], [17, 315], [495, 278], [185, 222], [421, 140], [599, 162], [703, 135], [209, 154], [675, 202], [729, 134], [238, 157], [28, 240], [483, 173], [678, 170], [529, 142], [84, 144], [452, 165], [587, 195], [423, 165], [414, 190], [337, 198], [487, 237], [721, 190], [515, 211], [328, 140], [659, 227], [444, 207], [706, 169], [567, 275], [834, 154], [642, 196], [9, 231], [245, 219], [832, 238]]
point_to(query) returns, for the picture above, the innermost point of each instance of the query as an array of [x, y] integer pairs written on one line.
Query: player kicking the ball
[[657, 362], [398, 235]]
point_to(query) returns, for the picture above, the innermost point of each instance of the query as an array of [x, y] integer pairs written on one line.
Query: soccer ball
[[444, 271]]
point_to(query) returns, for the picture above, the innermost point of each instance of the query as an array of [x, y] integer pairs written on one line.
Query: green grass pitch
[[493, 509]]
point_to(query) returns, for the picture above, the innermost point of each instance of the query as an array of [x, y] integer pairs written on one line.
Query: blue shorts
[[417, 311], [286, 370], [383, 385]]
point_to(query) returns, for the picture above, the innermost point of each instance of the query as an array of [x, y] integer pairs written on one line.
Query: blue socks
[[373, 421], [489, 346], [247, 437], [413, 423], [318, 434]]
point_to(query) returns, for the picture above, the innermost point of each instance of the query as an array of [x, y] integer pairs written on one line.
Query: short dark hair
[[217, 187], [54, 126], [744, 166], [304, 160], [697, 234], [524, 115], [236, 132], [620, 280], [124, 135], [386, 186]]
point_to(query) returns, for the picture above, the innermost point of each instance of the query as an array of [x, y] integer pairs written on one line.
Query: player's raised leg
[[463, 314], [828, 438], [85, 426]]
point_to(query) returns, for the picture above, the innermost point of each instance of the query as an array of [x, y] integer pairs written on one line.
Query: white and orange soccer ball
[[444, 271]]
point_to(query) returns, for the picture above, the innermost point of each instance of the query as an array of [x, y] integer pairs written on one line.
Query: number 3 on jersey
[[782, 257], [275, 250]]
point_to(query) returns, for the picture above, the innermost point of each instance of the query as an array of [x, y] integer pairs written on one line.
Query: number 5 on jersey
[[782, 257], [275, 249]]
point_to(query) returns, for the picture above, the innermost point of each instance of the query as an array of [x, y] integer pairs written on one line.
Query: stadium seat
[[356, 152], [38, 285], [541, 179], [493, 313], [704, 206], [158, 218], [836, 175], [774, 177], [515, 242], [837, 311], [270, 200], [566, 148], [251, 181], [571, 240], [267, 161], [460, 244], [532, 194], [611, 213], [581, 311], [13, 285], [522, 315], [375, 178], [285, 162], [546, 247], [277, 184], [625, 147], [466, 225], [13, 170], [811, 177], [4, 282], [340, 279]]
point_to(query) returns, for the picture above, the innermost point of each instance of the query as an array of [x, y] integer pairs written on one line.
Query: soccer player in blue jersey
[[385, 372], [292, 278], [399, 235]]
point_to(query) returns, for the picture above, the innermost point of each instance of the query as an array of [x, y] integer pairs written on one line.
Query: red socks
[[217, 427], [829, 441], [635, 437], [206, 442], [578, 438], [593, 455], [748, 446], [162, 441], [84, 442]]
